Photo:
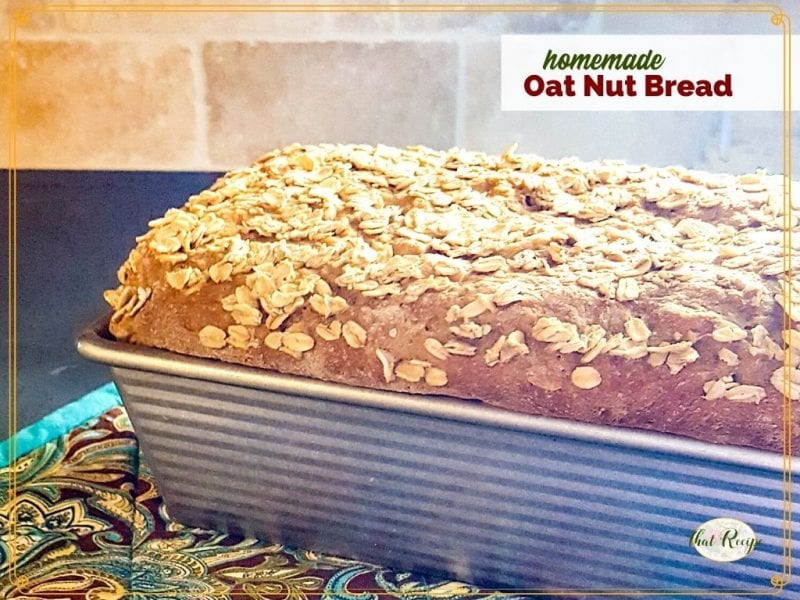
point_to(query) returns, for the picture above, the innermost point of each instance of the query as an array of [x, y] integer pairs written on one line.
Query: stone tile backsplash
[[327, 92], [82, 104], [213, 90]]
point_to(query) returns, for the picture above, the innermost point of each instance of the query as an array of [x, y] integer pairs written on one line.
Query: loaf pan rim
[[94, 343]]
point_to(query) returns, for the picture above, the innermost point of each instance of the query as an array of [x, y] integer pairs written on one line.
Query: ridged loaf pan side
[[472, 501]]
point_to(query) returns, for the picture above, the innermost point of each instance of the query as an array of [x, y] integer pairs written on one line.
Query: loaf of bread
[[602, 292]]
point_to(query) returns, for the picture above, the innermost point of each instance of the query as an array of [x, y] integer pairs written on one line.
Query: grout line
[[202, 152], [461, 91]]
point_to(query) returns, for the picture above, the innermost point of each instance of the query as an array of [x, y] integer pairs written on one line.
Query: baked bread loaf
[[653, 298]]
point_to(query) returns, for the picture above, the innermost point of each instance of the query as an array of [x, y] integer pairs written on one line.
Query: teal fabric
[[60, 422]]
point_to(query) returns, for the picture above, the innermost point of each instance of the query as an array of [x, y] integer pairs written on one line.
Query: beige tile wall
[[328, 92], [213, 90]]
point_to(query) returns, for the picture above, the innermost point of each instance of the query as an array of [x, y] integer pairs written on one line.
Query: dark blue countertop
[[74, 229]]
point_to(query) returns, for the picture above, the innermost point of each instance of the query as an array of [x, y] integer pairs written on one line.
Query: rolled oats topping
[[470, 330], [212, 337], [241, 337], [632, 350], [274, 340], [457, 348], [245, 314], [387, 364], [489, 264], [728, 333], [787, 381], [476, 308], [505, 348], [752, 394], [121, 300], [298, 342], [553, 330], [715, 389], [219, 272], [627, 289], [586, 378], [409, 370], [330, 332], [676, 356], [435, 377], [354, 334], [348, 212], [791, 337], [327, 305], [514, 346], [142, 295], [505, 258], [435, 348], [728, 356], [637, 329], [763, 345], [492, 355], [179, 278]]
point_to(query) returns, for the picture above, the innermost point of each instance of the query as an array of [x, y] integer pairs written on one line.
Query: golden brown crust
[[599, 292]]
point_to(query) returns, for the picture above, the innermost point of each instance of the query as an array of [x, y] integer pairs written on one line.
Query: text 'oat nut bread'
[[602, 292]]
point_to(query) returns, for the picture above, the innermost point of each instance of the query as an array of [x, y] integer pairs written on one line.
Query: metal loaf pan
[[441, 486]]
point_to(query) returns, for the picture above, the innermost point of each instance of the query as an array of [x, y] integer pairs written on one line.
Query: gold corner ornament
[[778, 17], [779, 580]]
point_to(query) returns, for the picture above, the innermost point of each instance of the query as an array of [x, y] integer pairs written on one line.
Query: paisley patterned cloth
[[87, 522]]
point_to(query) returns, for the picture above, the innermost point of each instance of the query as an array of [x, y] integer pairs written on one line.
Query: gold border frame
[[778, 17]]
